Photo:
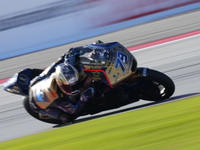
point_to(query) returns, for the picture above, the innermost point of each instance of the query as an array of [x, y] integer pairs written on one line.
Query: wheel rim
[[152, 90]]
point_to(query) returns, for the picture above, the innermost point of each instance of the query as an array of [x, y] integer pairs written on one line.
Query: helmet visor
[[70, 89], [67, 74]]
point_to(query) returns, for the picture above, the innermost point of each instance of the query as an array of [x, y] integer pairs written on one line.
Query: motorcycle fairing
[[111, 63]]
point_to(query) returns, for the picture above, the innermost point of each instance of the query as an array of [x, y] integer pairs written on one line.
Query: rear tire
[[36, 115], [158, 86]]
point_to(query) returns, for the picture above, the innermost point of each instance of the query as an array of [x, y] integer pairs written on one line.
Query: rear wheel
[[156, 86], [36, 115]]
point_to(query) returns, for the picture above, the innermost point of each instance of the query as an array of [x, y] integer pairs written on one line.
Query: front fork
[[134, 85], [142, 72]]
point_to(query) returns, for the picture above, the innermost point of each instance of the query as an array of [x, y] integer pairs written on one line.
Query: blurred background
[[34, 33], [28, 26]]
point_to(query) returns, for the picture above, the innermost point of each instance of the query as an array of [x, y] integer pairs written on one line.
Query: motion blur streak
[[120, 10], [59, 23]]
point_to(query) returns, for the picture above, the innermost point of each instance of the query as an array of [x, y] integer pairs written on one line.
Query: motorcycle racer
[[65, 90]]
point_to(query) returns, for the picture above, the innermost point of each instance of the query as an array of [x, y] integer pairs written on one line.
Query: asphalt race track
[[179, 59]]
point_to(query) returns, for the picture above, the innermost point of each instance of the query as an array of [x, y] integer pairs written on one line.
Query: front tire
[[36, 115], [158, 86]]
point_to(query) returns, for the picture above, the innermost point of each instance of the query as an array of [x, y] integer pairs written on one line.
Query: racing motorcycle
[[115, 76]]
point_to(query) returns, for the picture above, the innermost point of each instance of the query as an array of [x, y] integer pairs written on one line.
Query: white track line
[[177, 40]]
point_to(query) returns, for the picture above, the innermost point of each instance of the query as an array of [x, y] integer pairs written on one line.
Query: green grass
[[172, 126]]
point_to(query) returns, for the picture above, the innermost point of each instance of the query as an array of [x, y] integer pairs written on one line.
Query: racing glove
[[88, 93]]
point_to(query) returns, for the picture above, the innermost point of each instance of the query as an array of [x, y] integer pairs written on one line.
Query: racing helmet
[[67, 77]]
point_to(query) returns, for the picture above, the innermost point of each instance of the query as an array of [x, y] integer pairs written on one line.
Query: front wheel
[[36, 115], [156, 86]]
